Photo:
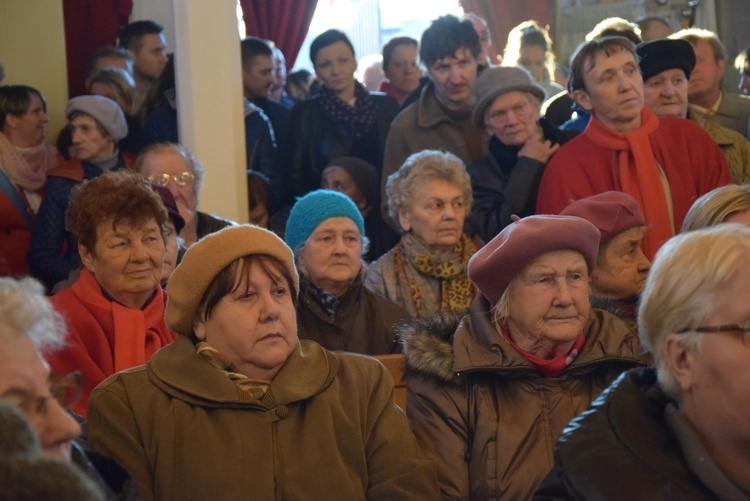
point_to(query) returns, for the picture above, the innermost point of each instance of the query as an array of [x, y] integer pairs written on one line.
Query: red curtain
[[90, 24], [503, 15], [284, 21]]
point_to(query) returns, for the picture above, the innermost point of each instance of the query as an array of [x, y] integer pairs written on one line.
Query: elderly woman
[[430, 196], [343, 119], [680, 431], [115, 311], [506, 181], [489, 394], [401, 68], [727, 204], [326, 231], [239, 407]]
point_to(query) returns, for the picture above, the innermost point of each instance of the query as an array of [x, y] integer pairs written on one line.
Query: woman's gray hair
[[25, 311], [689, 273], [421, 167]]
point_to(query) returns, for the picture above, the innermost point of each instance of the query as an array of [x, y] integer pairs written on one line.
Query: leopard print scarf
[[456, 290]]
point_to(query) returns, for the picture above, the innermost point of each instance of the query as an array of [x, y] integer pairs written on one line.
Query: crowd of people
[[544, 257]]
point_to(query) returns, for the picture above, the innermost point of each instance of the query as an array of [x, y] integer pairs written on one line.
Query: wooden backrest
[[395, 365]]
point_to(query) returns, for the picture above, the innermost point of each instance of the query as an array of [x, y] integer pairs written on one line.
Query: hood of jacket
[[446, 346]]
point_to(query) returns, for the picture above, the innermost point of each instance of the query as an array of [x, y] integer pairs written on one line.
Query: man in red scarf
[[25, 160], [664, 163]]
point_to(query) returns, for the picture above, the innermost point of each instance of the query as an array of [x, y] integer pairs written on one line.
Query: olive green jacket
[[735, 146]]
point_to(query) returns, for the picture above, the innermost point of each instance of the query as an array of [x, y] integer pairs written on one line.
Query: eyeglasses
[[744, 329], [66, 390], [180, 179]]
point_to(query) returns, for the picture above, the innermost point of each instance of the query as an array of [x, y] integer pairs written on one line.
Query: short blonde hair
[[688, 274], [421, 167], [715, 206]]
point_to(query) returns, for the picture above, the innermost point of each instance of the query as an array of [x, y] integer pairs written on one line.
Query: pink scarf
[[27, 167]]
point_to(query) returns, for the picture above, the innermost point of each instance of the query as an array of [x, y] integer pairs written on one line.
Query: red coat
[[690, 159], [15, 237], [105, 337]]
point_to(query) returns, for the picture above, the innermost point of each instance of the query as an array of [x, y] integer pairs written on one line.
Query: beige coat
[[735, 146], [326, 429]]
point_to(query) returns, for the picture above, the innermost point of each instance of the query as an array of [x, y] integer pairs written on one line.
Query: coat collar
[[179, 371]]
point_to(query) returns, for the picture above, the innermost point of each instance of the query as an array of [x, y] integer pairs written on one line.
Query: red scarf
[[638, 173], [552, 367]]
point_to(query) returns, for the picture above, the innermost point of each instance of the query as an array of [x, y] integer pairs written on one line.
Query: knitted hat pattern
[[313, 209]]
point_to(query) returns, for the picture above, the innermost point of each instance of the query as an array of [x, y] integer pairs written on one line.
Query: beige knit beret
[[205, 259]]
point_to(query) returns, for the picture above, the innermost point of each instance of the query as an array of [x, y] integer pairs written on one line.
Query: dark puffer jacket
[[486, 414], [623, 448]]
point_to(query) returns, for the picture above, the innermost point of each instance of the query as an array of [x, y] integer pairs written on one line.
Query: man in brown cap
[[621, 268], [505, 182]]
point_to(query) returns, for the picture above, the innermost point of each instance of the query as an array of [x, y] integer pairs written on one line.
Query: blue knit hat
[[313, 209]]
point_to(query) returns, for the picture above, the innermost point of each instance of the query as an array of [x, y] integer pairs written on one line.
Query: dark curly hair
[[120, 197], [446, 35]]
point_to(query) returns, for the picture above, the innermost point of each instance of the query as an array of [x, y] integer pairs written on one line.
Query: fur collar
[[428, 345]]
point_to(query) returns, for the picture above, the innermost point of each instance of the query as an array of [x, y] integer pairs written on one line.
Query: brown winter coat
[[363, 322], [326, 429], [486, 414]]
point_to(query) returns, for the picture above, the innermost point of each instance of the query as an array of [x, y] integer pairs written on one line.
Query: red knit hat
[[612, 212], [494, 265]]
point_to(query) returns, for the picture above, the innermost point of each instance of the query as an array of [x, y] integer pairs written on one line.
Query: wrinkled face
[[548, 301], [258, 78], [714, 385], [30, 126], [403, 71], [126, 261], [89, 142], [332, 254], [533, 58], [512, 117], [102, 89], [337, 179], [255, 325], [24, 382], [666, 94], [435, 215], [614, 90], [622, 268], [171, 163], [706, 75], [335, 66], [151, 58], [454, 77], [170, 251]]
